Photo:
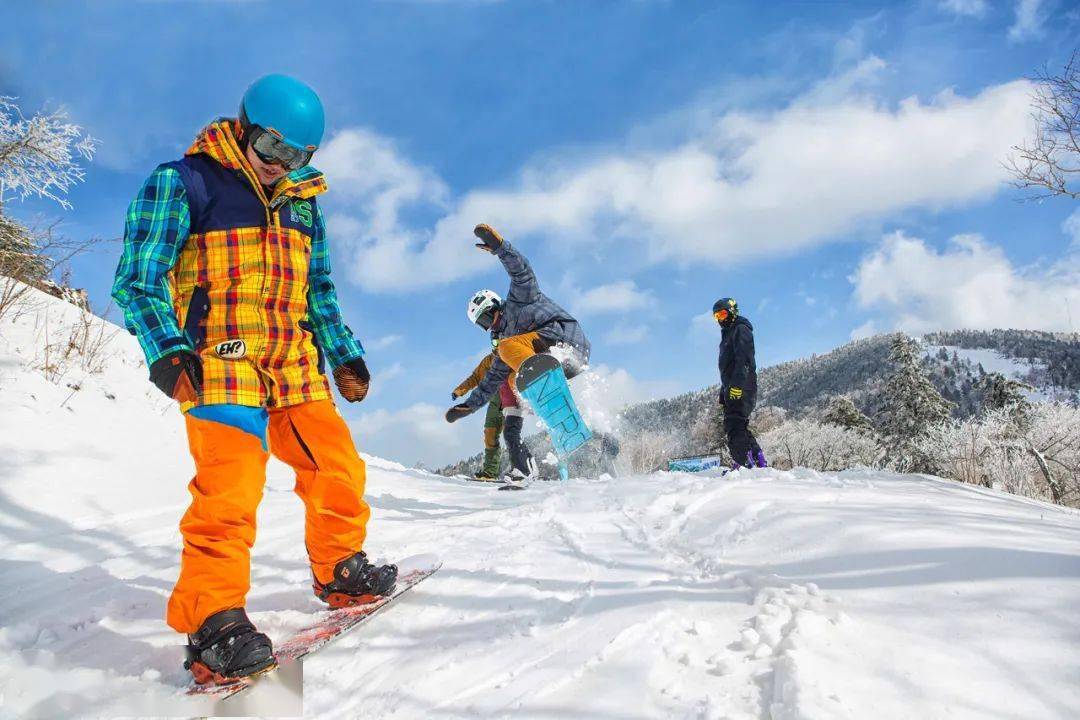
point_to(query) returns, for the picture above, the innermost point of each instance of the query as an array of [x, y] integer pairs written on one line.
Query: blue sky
[[834, 166]]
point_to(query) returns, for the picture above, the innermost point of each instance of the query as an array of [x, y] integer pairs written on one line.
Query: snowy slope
[[1020, 369], [759, 595]]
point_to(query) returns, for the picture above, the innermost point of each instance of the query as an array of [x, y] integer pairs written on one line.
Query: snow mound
[[760, 594]]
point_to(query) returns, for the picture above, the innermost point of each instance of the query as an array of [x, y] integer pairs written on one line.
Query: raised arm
[[157, 227], [523, 285]]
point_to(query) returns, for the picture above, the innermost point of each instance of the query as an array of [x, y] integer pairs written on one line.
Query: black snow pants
[[742, 444], [519, 453]]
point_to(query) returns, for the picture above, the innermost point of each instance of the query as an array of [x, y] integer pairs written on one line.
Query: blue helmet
[[288, 107]]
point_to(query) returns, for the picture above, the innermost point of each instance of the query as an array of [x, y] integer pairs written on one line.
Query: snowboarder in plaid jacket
[[225, 281]]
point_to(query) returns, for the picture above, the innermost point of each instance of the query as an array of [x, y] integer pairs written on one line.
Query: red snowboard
[[330, 625]]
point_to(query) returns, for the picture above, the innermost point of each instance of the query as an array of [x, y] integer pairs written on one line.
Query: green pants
[[493, 422]]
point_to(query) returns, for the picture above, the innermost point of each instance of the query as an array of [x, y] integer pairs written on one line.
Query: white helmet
[[482, 306]]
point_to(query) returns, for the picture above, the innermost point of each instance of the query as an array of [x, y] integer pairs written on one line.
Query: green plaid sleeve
[[335, 339], [157, 226]]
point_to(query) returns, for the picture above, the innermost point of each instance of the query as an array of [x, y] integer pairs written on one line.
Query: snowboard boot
[[522, 464], [356, 582], [519, 476], [492, 458], [485, 476], [227, 648], [759, 458]]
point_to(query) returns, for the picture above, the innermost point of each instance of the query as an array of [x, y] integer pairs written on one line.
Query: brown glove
[[490, 240], [352, 379]]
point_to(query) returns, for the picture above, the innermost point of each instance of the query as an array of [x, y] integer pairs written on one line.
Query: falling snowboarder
[[225, 280], [738, 383], [526, 324]]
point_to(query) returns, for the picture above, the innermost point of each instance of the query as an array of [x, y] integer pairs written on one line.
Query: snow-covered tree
[[1040, 459], [766, 418], [40, 155], [982, 450], [913, 409], [1053, 437], [810, 444], [841, 411]]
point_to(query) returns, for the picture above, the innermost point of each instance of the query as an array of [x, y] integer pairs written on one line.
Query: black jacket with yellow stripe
[[738, 367]]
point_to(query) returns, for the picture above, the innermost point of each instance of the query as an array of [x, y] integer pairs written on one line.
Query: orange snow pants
[[230, 471], [515, 350]]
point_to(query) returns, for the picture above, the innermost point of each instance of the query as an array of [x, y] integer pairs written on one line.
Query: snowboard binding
[[356, 582], [227, 649]]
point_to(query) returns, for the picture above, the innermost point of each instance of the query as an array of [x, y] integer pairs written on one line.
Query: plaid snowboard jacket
[[213, 265]]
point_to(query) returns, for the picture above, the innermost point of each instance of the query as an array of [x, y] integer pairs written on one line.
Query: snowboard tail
[[542, 382]]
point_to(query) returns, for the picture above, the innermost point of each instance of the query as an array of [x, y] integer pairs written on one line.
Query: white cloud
[[865, 330], [1071, 227], [703, 329], [418, 433], [965, 8], [374, 185], [752, 185], [971, 284], [381, 377], [1030, 16], [383, 342], [612, 298], [626, 334]]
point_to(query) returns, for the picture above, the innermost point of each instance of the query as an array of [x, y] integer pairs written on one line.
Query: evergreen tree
[[841, 411], [913, 409], [1002, 393]]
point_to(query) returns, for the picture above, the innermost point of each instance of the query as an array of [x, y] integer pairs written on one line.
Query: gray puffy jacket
[[524, 310]]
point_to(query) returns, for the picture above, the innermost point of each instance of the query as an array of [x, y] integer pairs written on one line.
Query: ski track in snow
[[760, 595]]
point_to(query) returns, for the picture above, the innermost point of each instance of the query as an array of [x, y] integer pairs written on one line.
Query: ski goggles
[[273, 150], [721, 315], [487, 318]]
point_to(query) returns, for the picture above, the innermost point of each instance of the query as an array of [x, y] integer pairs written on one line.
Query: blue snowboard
[[699, 463], [542, 382]]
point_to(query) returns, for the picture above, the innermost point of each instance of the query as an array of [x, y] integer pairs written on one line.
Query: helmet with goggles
[[482, 307], [283, 121], [725, 310]]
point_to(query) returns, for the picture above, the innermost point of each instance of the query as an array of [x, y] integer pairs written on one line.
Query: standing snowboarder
[[738, 383], [225, 280], [493, 419], [528, 322]]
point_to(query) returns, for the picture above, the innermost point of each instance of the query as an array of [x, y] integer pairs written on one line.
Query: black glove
[[178, 375], [352, 379], [457, 412], [490, 240]]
